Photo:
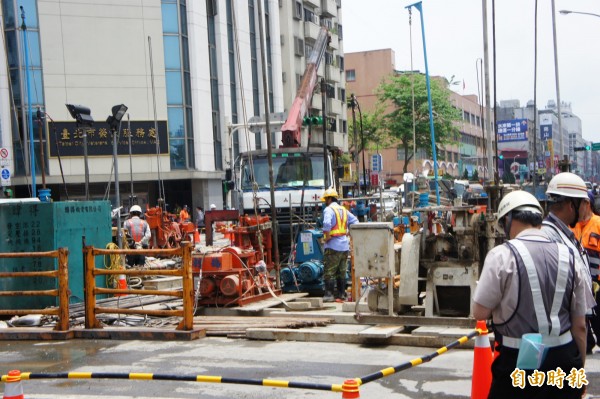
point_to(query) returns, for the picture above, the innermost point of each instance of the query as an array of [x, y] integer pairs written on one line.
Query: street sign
[[376, 162], [546, 132], [5, 177], [3, 153], [541, 171], [595, 146]]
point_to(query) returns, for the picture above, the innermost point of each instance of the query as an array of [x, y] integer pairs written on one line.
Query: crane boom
[[291, 130]]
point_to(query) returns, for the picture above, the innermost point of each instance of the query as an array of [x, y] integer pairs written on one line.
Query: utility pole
[[487, 127]]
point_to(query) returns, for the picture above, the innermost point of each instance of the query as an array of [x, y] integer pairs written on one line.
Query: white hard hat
[[519, 201], [213, 206], [135, 208], [330, 192], [567, 184]]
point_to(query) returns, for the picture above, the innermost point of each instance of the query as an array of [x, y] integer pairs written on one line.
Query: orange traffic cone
[[121, 284], [13, 389], [482, 364], [350, 389], [196, 237]]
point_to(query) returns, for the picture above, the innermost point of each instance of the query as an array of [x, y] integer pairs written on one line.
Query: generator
[[431, 270], [307, 271]]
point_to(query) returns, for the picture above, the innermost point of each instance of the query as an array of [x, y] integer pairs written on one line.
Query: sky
[[454, 42]]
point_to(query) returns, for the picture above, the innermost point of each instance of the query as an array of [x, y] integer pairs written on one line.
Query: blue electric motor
[[311, 271]]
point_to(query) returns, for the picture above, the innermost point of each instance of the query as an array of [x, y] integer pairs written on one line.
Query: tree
[[373, 132], [395, 96], [465, 175], [475, 176]]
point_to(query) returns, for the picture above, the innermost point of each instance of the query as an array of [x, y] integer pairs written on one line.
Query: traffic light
[[500, 156], [584, 148], [312, 120]]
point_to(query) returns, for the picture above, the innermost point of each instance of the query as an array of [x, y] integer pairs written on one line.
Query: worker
[[520, 290], [199, 218], [184, 215], [587, 232], [565, 194], [139, 231], [336, 220], [213, 207]]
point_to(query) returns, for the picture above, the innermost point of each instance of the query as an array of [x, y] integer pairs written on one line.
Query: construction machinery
[[431, 270], [301, 170]]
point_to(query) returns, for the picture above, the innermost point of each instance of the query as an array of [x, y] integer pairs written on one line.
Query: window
[[350, 75], [169, 18], [421, 153], [297, 10], [342, 94], [299, 46]]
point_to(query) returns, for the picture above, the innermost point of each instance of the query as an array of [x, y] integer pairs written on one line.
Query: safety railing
[[61, 274], [186, 294]]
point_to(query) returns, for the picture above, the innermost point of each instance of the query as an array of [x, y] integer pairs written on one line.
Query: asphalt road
[[447, 376]]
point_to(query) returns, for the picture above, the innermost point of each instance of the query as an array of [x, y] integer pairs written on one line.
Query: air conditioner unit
[[299, 47]]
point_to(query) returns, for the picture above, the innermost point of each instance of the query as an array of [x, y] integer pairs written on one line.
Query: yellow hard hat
[[330, 192]]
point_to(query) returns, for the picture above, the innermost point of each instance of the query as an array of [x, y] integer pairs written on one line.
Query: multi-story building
[[365, 71], [194, 67], [301, 22]]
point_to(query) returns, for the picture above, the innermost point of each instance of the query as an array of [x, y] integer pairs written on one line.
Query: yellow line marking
[[388, 371], [208, 378], [416, 362], [276, 383], [141, 376], [442, 350], [79, 375]]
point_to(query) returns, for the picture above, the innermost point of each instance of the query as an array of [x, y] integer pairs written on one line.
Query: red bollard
[[350, 389], [13, 389]]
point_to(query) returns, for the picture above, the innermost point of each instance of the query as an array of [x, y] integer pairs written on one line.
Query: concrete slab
[[380, 331], [299, 305], [351, 307], [428, 330]]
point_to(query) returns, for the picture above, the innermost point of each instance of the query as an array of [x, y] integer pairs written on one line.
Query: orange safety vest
[[136, 227], [341, 221]]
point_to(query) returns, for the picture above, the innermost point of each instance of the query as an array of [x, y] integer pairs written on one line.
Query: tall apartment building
[[300, 25], [194, 66], [366, 70]]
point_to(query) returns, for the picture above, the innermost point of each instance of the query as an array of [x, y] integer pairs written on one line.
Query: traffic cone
[[196, 237], [482, 364], [121, 284], [350, 389], [13, 389]]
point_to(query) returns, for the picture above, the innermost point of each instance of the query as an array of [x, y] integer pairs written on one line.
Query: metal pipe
[[419, 7], [29, 113], [488, 117], [556, 75]]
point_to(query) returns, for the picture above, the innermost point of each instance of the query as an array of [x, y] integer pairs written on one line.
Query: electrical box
[[373, 248], [47, 226]]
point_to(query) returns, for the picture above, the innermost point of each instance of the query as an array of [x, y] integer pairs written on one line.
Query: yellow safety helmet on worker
[[330, 192]]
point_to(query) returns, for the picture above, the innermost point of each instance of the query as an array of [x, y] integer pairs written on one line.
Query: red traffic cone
[[482, 364], [350, 389], [121, 284], [13, 389], [196, 237]]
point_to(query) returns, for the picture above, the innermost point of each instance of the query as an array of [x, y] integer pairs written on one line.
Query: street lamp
[[566, 12], [114, 121], [83, 117]]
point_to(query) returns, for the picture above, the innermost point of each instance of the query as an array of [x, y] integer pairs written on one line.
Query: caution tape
[[173, 377], [420, 360], [245, 381]]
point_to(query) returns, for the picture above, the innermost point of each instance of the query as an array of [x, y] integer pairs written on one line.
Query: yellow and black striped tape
[[246, 381]]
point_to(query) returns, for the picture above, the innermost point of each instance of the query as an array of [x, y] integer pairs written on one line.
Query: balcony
[[334, 106], [311, 30], [313, 3], [329, 8], [334, 43], [333, 73]]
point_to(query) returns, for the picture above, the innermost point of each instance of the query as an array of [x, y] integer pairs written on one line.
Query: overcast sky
[[454, 39]]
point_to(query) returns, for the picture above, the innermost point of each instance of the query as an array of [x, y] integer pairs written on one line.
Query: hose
[[112, 262]]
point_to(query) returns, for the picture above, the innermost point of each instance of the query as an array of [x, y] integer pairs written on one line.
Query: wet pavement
[[447, 376]]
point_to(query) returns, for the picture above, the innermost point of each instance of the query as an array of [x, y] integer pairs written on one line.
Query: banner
[[512, 130]]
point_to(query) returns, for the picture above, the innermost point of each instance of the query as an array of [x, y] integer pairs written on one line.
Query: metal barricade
[[187, 293], [62, 292]]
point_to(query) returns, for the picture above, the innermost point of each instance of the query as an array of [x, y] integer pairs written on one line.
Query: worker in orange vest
[[139, 231], [184, 215]]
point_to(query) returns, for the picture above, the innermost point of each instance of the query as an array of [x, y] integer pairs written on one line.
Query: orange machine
[[237, 274]]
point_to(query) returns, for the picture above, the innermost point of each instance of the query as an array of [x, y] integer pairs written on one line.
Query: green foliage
[[447, 176], [475, 175], [465, 175], [508, 178], [372, 129], [396, 97]]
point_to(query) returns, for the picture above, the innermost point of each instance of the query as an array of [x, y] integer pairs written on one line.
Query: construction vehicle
[[300, 173]]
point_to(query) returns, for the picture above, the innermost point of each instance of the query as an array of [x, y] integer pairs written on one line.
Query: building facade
[[187, 71], [365, 71]]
